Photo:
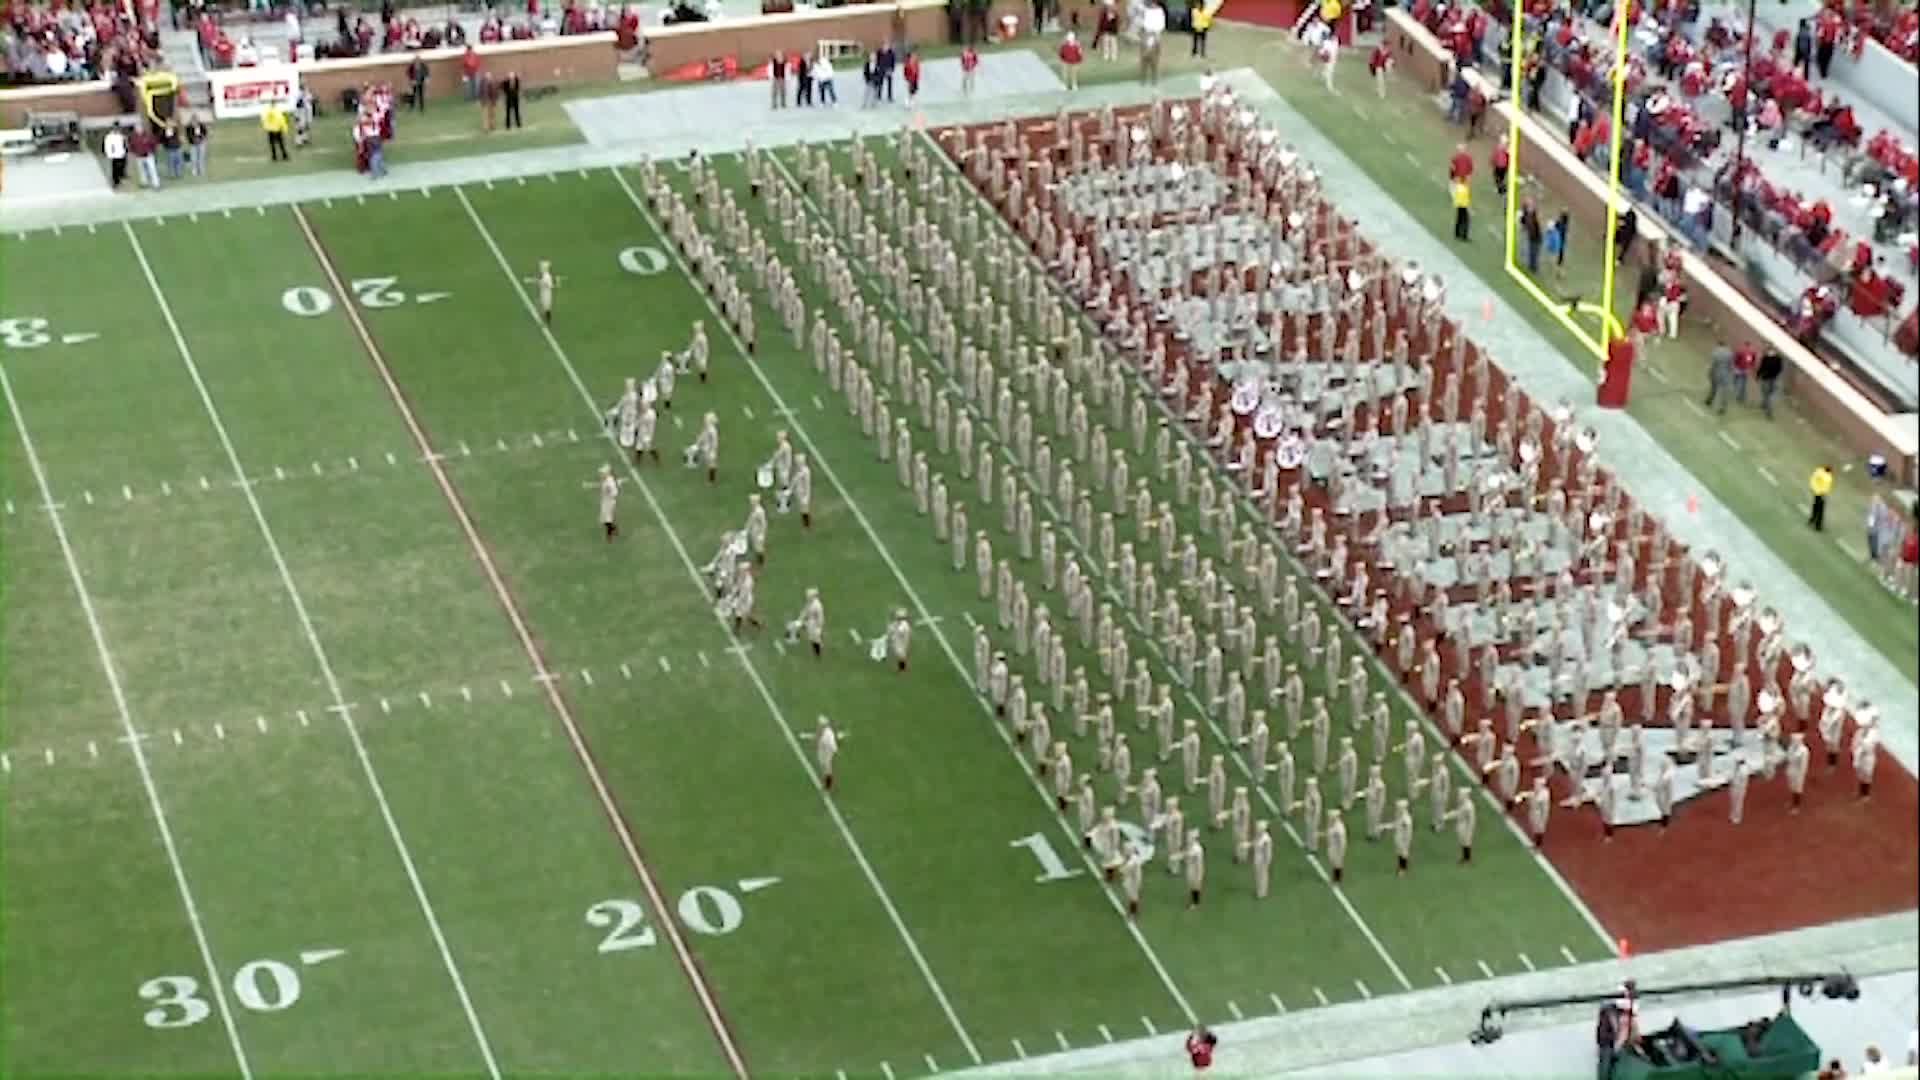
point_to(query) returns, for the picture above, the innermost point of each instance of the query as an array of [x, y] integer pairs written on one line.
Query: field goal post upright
[[1566, 313]]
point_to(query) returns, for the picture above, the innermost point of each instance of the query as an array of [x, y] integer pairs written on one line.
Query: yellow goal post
[[1593, 324]]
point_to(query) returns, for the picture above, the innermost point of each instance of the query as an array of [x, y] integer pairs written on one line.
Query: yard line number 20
[[704, 909]]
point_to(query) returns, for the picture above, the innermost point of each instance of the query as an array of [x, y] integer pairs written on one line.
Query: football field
[[338, 740]]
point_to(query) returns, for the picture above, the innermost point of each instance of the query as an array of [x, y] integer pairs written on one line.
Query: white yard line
[[542, 674], [919, 605], [216, 979], [1730, 440], [1766, 475], [746, 663], [1694, 405], [320, 657]]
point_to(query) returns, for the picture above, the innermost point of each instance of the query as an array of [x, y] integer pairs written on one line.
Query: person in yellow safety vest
[[1462, 210], [274, 122], [1820, 485], [1201, 22]]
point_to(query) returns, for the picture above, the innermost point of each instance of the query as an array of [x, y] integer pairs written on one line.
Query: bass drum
[[1291, 453], [1246, 396], [1268, 421]]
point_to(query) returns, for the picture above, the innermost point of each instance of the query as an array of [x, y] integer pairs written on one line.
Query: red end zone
[[1704, 879]]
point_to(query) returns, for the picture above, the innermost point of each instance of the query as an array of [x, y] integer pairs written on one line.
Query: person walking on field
[[1379, 64], [489, 101], [417, 75], [1719, 376], [777, 78], [1462, 210], [823, 81], [510, 90], [142, 146], [1201, 21], [969, 66], [1820, 485], [1153, 24], [116, 149], [1070, 58], [1106, 32], [1772, 366]]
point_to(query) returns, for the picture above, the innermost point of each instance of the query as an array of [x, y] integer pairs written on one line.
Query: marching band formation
[[1142, 556]]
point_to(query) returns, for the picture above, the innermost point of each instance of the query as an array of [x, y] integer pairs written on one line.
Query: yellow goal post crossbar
[[1563, 312]]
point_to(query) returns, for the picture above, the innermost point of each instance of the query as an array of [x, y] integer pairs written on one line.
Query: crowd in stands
[[1687, 95], [62, 40], [360, 36]]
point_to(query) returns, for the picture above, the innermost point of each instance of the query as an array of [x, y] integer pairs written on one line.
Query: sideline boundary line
[[746, 663], [216, 985], [549, 683], [320, 657]]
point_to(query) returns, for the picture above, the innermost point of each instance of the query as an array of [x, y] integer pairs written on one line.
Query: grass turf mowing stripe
[[746, 663], [696, 977], [325, 665], [886, 556], [215, 981]]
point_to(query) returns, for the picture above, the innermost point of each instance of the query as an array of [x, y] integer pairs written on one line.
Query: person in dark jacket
[[1772, 367], [1530, 232], [417, 74], [510, 93]]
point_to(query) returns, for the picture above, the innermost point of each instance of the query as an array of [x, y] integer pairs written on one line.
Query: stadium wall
[[751, 41], [1837, 404], [542, 62]]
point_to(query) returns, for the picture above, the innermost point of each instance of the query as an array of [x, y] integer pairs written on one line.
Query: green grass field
[[317, 764]]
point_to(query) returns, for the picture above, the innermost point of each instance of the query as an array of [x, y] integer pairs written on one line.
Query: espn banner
[[247, 91]]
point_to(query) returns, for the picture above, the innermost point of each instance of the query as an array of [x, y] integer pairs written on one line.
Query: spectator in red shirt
[[1826, 34], [1461, 165], [141, 146], [1646, 323], [1379, 62], [1498, 162], [1746, 360], [470, 72]]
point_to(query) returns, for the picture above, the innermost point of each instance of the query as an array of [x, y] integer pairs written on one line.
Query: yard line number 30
[[265, 986]]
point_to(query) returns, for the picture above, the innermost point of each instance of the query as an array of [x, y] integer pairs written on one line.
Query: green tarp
[[1783, 1052]]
